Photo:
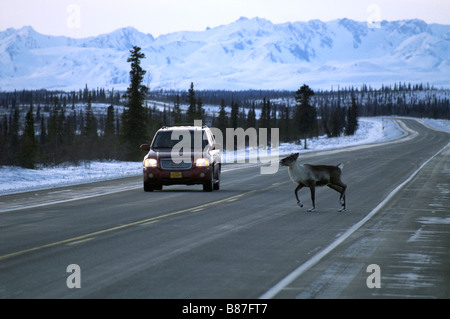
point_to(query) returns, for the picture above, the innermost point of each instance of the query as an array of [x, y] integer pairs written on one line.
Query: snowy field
[[17, 179]]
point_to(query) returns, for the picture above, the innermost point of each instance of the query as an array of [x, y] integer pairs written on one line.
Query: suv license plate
[[176, 175]]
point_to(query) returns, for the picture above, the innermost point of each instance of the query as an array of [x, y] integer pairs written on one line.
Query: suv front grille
[[168, 164]]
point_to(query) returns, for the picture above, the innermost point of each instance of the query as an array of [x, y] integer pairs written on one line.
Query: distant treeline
[[402, 99], [52, 127], [48, 97]]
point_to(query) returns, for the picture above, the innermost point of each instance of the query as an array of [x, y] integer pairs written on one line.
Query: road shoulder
[[403, 249]]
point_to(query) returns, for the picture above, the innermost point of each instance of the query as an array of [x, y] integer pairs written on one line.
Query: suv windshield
[[164, 139]]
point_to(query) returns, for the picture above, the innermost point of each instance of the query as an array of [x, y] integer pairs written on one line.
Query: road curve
[[247, 240]]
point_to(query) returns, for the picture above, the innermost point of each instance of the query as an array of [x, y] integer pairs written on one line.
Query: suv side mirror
[[145, 147]]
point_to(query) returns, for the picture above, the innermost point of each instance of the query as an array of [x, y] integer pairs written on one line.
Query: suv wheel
[[152, 187], [148, 187], [208, 186], [217, 183]]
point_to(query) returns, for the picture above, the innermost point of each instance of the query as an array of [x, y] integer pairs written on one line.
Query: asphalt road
[[248, 240]]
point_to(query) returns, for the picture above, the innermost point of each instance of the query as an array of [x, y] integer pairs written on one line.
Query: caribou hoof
[[312, 209], [300, 204], [342, 210]]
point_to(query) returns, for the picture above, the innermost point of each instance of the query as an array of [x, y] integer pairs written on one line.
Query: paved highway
[[248, 240]]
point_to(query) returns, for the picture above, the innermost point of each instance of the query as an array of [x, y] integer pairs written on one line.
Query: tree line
[[54, 134], [66, 99]]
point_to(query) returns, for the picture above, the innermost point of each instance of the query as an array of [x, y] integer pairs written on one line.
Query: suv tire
[[148, 187], [208, 186], [152, 187], [217, 183]]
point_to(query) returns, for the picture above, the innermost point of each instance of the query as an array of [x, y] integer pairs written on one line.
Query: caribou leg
[[341, 190], [299, 187], [313, 198]]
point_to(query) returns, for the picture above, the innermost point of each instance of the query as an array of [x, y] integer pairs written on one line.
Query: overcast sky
[[83, 18]]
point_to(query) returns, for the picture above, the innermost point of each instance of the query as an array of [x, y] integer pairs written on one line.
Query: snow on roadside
[[443, 125], [16, 179], [370, 130]]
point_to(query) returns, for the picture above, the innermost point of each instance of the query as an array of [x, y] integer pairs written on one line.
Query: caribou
[[306, 175]]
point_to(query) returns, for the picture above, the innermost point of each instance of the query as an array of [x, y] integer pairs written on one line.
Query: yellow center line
[[80, 241], [140, 222]]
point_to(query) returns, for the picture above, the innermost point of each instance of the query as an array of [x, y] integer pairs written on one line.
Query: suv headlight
[[201, 162], [150, 162]]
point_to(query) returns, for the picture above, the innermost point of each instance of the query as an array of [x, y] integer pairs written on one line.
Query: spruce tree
[[71, 138], [242, 119], [89, 147], [134, 117], [13, 137], [305, 116], [273, 117], [177, 116], [352, 118], [55, 135], [264, 118], [222, 119], [28, 143], [234, 115], [110, 136], [251, 117], [285, 125], [199, 110], [4, 140], [192, 109], [110, 131], [90, 123], [336, 122], [42, 140]]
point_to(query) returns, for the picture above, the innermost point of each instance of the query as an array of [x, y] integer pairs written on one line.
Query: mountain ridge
[[245, 54]]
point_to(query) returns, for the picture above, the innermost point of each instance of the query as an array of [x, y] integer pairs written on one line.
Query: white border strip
[[272, 292]]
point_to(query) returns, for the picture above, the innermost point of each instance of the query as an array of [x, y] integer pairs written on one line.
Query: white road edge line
[[272, 292]]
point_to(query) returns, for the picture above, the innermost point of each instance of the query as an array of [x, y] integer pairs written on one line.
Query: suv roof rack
[[182, 124]]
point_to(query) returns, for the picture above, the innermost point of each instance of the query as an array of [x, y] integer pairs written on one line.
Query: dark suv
[[182, 155]]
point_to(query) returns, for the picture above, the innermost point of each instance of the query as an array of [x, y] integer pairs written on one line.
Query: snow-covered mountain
[[248, 53]]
